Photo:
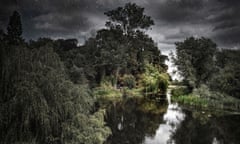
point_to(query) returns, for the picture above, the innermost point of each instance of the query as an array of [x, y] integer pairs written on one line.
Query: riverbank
[[210, 100], [141, 120], [110, 92]]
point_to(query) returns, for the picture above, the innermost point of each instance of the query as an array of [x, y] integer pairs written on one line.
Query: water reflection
[[142, 121], [171, 120], [215, 141], [224, 129], [133, 119]]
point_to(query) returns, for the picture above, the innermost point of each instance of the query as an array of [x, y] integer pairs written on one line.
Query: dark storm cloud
[[216, 19], [227, 23], [5, 11], [174, 19], [55, 18], [176, 11], [61, 18]]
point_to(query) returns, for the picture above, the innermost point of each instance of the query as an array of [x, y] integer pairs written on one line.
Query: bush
[[154, 81], [129, 81], [202, 91], [180, 91], [163, 82]]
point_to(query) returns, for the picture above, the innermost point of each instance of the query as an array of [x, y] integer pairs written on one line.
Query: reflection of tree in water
[[216, 130], [130, 123]]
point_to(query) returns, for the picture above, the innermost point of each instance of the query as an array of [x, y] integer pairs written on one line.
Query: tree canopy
[[204, 67], [195, 60], [47, 86], [128, 18]]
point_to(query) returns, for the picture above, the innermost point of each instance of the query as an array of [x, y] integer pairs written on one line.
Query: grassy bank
[[190, 100], [110, 92], [209, 100]]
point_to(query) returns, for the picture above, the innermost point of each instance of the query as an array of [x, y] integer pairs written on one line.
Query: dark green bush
[[129, 81], [180, 91]]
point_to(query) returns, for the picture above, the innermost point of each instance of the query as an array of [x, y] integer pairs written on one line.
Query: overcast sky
[[174, 19]]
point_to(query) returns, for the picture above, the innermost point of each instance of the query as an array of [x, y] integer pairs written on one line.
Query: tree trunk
[[116, 77], [102, 74]]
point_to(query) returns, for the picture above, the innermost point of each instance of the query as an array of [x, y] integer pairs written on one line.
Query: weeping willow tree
[[39, 104]]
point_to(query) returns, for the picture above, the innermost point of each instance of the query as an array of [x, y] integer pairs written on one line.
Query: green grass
[[135, 92], [225, 103], [191, 100], [180, 91], [107, 92]]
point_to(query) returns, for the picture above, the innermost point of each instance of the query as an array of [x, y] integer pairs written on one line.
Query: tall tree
[[123, 46], [195, 60], [227, 77], [14, 29], [128, 18], [130, 21], [112, 52]]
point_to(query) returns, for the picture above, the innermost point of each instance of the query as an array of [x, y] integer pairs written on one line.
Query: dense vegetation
[[212, 75], [48, 87], [50, 90]]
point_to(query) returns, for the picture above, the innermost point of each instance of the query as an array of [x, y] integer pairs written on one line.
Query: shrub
[[154, 81], [180, 91], [129, 81]]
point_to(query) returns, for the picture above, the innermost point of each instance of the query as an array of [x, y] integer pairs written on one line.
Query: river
[[144, 121]]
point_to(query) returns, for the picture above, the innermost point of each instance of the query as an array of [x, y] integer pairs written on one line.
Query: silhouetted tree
[[14, 29], [128, 18]]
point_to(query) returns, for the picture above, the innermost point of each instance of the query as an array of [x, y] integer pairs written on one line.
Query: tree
[[14, 29], [123, 47], [128, 18], [39, 104], [227, 77], [195, 60], [112, 52]]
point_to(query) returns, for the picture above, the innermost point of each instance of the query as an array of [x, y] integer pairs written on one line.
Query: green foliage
[[38, 99], [45, 95], [191, 100], [129, 81], [195, 60], [128, 18], [153, 81], [180, 91], [202, 91], [207, 70], [227, 78], [106, 91], [205, 98], [88, 129], [135, 92], [119, 49]]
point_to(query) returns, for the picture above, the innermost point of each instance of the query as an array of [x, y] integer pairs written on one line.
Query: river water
[[144, 121]]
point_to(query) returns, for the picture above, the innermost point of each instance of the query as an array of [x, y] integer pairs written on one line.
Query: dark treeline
[[39, 101], [207, 69], [46, 86]]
